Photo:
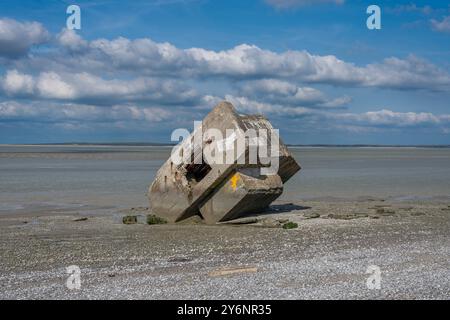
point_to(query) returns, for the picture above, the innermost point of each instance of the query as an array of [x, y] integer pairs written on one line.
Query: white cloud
[[371, 119], [129, 115], [393, 119], [285, 4], [80, 112], [441, 26], [412, 7], [244, 104], [90, 88], [70, 40], [410, 73], [146, 57], [50, 85], [122, 81], [283, 92], [16, 38], [15, 83]]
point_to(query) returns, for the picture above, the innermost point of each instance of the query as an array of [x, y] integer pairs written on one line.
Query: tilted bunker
[[223, 178]]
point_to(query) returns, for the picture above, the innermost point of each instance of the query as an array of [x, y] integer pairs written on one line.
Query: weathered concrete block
[[243, 192], [221, 189]]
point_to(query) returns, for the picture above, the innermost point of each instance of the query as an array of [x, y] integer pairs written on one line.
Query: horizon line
[[160, 144]]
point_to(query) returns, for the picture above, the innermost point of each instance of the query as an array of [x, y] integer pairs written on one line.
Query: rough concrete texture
[[221, 190]]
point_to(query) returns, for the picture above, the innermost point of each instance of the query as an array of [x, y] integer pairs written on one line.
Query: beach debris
[[382, 205], [154, 219], [290, 225], [385, 212], [179, 259], [80, 219], [270, 223], [231, 166], [129, 219], [232, 271], [347, 215], [311, 215]]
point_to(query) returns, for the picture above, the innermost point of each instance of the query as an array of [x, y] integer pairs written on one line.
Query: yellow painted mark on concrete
[[234, 180]]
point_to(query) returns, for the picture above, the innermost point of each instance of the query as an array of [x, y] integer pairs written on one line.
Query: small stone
[[346, 216], [80, 219], [248, 220], [311, 215], [179, 259], [361, 214], [271, 223]]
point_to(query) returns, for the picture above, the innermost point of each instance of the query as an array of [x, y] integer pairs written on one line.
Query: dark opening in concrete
[[197, 172]]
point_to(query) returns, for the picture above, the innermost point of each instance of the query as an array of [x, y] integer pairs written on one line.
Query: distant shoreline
[[156, 144]]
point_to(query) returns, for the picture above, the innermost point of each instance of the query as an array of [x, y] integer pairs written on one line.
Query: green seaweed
[[290, 225], [129, 219], [153, 219]]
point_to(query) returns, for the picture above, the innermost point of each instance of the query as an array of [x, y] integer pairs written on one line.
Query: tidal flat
[[354, 208]]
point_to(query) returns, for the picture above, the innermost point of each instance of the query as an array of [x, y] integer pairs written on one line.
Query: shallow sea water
[[39, 178]]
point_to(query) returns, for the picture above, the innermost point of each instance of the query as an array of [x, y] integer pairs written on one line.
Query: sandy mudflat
[[325, 257]]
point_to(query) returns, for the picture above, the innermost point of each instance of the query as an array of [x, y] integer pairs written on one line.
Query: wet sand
[[326, 257]]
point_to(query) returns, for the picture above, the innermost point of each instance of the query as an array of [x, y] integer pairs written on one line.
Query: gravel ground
[[326, 257]]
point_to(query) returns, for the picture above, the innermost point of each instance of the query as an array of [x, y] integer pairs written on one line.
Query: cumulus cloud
[[410, 73], [71, 41], [15, 83], [122, 80], [16, 38], [90, 88], [391, 118], [82, 115], [441, 26], [244, 104], [146, 57], [278, 91], [285, 4], [12, 110], [372, 119], [412, 7]]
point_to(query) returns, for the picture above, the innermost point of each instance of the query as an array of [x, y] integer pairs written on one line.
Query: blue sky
[[139, 69]]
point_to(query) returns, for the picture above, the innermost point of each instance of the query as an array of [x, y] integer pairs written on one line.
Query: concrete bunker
[[237, 186]]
